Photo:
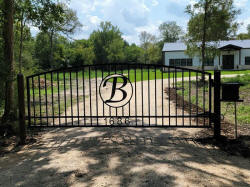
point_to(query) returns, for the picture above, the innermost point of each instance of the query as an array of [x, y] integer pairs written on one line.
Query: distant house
[[235, 54]]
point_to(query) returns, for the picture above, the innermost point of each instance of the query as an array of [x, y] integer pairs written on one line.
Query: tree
[[211, 20], [146, 38], [243, 36], [23, 14], [148, 44], [25, 61], [41, 53], [133, 54], [8, 37], [115, 51], [81, 52], [2, 72], [57, 18], [27, 57], [170, 31], [27, 11], [107, 43], [154, 54]]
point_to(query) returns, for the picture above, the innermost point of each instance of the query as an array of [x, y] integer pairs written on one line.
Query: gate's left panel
[[67, 97]]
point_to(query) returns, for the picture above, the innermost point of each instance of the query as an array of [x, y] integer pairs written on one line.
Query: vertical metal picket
[[179, 108]]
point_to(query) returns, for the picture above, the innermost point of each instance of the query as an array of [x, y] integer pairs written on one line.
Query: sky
[[135, 16]]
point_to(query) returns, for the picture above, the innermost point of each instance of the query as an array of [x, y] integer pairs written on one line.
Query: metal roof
[[180, 46]]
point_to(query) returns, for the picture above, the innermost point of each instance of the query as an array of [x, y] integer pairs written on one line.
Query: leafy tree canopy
[[170, 31], [107, 41], [211, 20]]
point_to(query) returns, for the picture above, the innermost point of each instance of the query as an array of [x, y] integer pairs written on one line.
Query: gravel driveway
[[122, 157]]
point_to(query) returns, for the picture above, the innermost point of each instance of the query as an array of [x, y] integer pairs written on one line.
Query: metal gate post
[[217, 104], [21, 107]]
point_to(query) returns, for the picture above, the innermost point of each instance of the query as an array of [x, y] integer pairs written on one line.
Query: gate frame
[[217, 104], [213, 117]]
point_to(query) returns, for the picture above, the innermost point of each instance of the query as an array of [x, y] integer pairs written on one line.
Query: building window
[[171, 62], [177, 62], [181, 62], [189, 62], [247, 60], [209, 62]]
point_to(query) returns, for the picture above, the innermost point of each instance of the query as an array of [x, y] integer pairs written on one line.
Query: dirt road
[[122, 157], [148, 99]]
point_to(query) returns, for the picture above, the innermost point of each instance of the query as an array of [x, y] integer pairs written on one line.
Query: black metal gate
[[124, 95]]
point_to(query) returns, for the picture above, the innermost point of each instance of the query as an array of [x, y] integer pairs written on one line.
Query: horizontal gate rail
[[124, 95], [120, 64]]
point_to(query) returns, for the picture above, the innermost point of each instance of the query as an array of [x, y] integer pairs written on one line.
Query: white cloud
[[94, 19], [131, 38], [131, 16], [83, 6], [243, 27], [85, 27], [151, 28], [182, 1], [155, 3], [135, 16], [144, 6], [240, 3]]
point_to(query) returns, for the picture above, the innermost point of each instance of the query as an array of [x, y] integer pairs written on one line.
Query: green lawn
[[138, 75], [158, 73], [133, 75], [147, 74], [227, 108], [232, 72], [243, 108]]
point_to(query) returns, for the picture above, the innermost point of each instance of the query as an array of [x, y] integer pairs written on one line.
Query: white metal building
[[235, 54]]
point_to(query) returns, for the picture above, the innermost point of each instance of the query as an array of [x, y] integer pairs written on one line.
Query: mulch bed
[[240, 146]]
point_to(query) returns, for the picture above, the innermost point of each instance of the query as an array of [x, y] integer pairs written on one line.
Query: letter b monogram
[[116, 90]]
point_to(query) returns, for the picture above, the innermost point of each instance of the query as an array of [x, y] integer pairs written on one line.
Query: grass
[[151, 74], [227, 108], [138, 75], [243, 108], [55, 107], [232, 72], [134, 75]]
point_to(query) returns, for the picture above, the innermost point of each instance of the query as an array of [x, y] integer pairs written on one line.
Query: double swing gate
[[120, 95]]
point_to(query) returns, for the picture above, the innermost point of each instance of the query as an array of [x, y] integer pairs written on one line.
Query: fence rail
[[124, 95]]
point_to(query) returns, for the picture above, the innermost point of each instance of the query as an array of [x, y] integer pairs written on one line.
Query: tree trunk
[[51, 49], [21, 44], [8, 59], [203, 46]]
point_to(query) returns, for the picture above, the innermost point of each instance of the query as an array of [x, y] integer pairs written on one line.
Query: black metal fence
[[124, 95]]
